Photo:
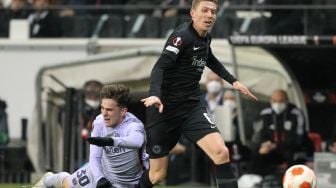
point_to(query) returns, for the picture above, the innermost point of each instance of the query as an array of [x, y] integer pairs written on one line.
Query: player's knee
[[65, 183], [158, 176], [221, 155]]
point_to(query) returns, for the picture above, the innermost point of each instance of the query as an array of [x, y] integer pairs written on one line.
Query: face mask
[[230, 104], [92, 103], [279, 107], [213, 87]]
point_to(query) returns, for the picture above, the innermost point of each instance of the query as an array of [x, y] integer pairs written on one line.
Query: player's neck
[[200, 33]]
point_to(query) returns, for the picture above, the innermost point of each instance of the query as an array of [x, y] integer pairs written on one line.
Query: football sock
[[55, 180], [225, 177], [144, 180]]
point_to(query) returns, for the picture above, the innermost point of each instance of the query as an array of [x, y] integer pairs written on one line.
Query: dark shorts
[[164, 129]]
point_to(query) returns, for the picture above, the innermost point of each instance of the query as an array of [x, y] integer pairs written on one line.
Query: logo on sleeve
[[177, 41], [172, 49]]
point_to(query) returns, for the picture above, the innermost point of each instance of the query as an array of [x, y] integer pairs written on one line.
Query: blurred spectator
[[285, 21], [4, 135], [266, 160], [91, 106], [176, 7], [283, 124], [44, 22], [102, 3], [215, 97], [70, 7], [105, 2], [214, 92], [3, 27], [88, 111], [17, 9], [267, 163], [283, 140]]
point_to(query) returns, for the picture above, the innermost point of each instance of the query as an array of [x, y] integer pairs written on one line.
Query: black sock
[[144, 180], [225, 177]]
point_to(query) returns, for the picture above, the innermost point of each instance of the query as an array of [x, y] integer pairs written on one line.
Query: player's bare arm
[[243, 89]]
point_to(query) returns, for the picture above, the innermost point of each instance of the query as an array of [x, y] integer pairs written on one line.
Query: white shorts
[[83, 178]]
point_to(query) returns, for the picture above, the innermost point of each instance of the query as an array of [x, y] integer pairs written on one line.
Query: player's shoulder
[[99, 121], [183, 28], [183, 32], [133, 121]]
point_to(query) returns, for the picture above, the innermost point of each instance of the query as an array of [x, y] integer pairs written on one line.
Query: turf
[[23, 186]]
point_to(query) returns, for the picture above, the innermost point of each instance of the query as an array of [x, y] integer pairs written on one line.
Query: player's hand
[[240, 87], [103, 183], [153, 100], [266, 147], [100, 141]]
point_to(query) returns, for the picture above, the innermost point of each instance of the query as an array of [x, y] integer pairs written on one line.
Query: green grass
[[21, 185], [11, 185]]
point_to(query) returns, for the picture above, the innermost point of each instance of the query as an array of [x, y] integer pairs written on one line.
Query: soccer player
[[174, 103], [116, 151]]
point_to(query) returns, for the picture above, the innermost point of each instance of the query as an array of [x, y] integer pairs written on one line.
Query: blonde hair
[[195, 3]]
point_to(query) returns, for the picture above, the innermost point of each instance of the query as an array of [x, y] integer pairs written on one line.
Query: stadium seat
[[134, 25], [152, 29], [314, 17], [67, 26], [4, 26], [83, 26], [329, 22], [317, 141], [168, 25], [257, 26], [226, 25], [113, 27], [183, 18]]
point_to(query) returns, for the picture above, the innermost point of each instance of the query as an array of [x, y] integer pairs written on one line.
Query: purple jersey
[[121, 162]]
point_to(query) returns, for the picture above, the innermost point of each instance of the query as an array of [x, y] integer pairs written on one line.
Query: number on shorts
[[206, 115], [83, 179]]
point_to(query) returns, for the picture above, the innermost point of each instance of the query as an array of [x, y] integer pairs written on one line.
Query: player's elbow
[[137, 146]]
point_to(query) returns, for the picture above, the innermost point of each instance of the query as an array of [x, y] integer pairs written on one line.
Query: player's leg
[[213, 145], [163, 132], [41, 183], [156, 173], [56, 180], [82, 178], [66, 183], [200, 129]]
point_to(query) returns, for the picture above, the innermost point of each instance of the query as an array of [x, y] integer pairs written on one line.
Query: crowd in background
[[59, 18]]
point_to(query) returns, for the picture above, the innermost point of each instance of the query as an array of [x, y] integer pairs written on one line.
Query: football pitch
[[28, 186]]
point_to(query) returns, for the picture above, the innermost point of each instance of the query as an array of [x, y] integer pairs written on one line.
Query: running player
[[175, 91]]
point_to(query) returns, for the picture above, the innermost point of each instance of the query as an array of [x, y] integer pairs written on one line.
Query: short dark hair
[[118, 92], [196, 2], [92, 88]]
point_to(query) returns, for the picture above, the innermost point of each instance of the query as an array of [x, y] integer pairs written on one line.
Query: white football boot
[[40, 184]]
